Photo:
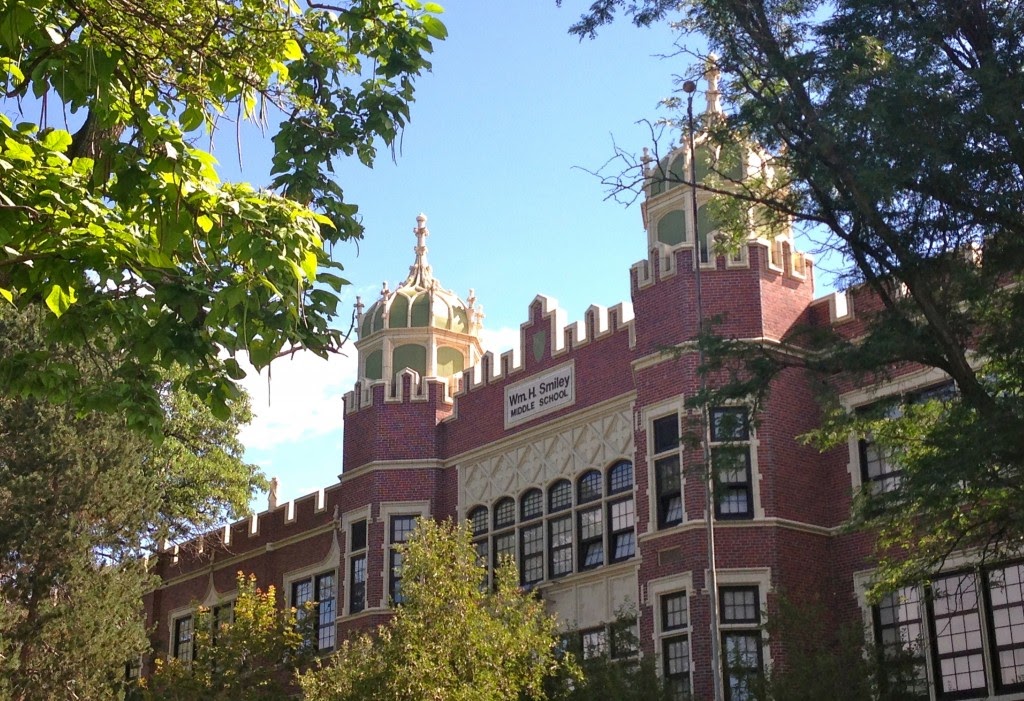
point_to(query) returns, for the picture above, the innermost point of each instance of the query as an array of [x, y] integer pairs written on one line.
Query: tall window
[[319, 591], [899, 634], [590, 520], [730, 456], [560, 528], [621, 514], [479, 523], [675, 644], [504, 530], [742, 660], [401, 528], [183, 638], [531, 538], [667, 478], [973, 621], [357, 567]]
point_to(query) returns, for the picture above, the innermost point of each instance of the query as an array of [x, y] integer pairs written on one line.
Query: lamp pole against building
[[690, 87]]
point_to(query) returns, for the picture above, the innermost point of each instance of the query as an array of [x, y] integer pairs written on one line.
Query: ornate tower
[[420, 325]]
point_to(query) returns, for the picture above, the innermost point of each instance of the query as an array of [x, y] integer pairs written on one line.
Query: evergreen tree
[[82, 497]]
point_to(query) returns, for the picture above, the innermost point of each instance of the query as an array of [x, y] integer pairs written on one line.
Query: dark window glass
[[675, 654], [674, 611], [669, 490], [357, 584], [559, 496], [591, 530], [532, 562], [504, 546], [358, 536], [401, 528], [956, 635], [532, 504], [183, 638], [1006, 592], [560, 538], [740, 605], [595, 643], [478, 520], [326, 613], [666, 433], [732, 470], [589, 486], [621, 520], [620, 477], [741, 653], [504, 513], [729, 424]]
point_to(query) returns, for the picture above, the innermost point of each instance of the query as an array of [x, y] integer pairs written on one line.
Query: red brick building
[[568, 457]]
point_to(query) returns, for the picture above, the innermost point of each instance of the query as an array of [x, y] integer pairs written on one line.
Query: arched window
[[505, 512], [589, 487], [531, 505], [478, 520], [559, 496], [620, 477]]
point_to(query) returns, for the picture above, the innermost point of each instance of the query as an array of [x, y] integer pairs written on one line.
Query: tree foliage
[[451, 639], [892, 136], [82, 496], [124, 228], [250, 657]]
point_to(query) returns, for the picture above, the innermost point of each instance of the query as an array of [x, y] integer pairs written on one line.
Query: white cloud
[[301, 400]]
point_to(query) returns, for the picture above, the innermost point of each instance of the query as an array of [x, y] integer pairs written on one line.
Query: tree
[[451, 638], [252, 656], [125, 230], [616, 673], [82, 496], [826, 661], [893, 138]]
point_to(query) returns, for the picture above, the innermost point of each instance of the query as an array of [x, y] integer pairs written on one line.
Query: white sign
[[540, 395]]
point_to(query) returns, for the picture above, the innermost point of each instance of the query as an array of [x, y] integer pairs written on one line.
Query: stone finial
[[713, 96], [385, 293], [420, 273], [359, 306], [272, 493]]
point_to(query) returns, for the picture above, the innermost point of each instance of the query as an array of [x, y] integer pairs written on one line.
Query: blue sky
[[503, 129]]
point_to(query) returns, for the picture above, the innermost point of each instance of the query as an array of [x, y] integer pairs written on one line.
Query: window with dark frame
[[505, 534], [742, 654], [560, 559], [667, 478], [319, 591], [401, 527], [183, 638], [479, 522], [730, 455], [880, 470], [357, 567], [973, 623], [675, 644], [531, 538]]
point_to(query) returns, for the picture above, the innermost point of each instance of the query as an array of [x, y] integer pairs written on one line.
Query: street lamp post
[[690, 87]]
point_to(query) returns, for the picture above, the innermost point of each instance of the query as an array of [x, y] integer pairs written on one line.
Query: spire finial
[[713, 96], [420, 273]]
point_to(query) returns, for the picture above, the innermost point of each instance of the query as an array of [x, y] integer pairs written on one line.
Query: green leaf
[[60, 299], [292, 51], [57, 140], [434, 27]]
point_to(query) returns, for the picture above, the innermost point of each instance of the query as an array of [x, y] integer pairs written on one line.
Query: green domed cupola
[[419, 325]]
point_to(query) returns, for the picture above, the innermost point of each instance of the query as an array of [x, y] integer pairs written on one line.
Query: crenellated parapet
[[264, 531], [546, 334]]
